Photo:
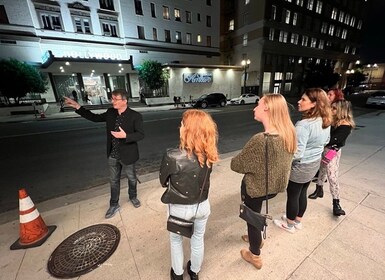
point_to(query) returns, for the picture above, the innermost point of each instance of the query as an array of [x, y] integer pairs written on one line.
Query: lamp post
[[245, 64], [371, 67]]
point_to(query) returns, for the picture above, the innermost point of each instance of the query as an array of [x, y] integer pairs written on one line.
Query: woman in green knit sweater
[[280, 137]]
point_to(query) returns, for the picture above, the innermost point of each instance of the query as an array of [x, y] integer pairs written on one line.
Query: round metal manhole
[[83, 251]]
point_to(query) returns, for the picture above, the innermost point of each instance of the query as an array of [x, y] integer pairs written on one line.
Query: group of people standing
[[291, 159]]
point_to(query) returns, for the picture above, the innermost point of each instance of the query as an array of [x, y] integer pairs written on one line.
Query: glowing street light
[[245, 64]]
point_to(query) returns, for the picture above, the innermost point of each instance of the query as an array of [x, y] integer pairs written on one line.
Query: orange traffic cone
[[33, 231]]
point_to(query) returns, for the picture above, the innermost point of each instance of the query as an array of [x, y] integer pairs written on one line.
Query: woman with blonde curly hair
[[188, 169], [313, 133]]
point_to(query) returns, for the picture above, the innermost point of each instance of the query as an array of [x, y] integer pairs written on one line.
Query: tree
[[320, 76], [152, 73], [18, 78]]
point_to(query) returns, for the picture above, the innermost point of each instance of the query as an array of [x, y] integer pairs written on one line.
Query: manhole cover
[[84, 250]]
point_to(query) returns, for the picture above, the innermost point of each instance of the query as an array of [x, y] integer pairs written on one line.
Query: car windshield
[[203, 96]]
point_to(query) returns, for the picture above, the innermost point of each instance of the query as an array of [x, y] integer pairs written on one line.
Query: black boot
[[337, 210], [173, 276], [319, 192], [193, 275]]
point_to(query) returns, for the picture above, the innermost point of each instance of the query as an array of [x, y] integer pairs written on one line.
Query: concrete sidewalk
[[348, 247]]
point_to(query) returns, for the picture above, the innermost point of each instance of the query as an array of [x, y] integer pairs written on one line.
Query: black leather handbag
[[256, 219], [181, 226]]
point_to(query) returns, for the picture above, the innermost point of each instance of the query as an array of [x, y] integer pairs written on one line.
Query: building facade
[[281, 38], [92, 47]]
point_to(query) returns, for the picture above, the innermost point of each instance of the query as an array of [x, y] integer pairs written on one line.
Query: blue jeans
[[197, 239], [116, 167]]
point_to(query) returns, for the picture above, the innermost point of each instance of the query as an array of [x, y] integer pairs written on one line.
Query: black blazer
[[132, 124]]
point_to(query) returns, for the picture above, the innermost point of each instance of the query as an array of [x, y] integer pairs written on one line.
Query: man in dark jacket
[[124, 128]]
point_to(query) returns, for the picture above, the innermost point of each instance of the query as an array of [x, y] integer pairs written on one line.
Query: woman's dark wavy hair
[[322, 106]]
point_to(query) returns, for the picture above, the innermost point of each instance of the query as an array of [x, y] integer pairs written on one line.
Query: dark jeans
[[255, 204], [116, 167], [296, 199]]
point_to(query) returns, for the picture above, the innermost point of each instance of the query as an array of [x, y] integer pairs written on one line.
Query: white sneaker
[[297, 225], [283, 225]]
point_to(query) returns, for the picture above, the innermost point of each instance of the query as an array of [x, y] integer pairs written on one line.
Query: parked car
[[248, 98], [212, 99], [376, 98]]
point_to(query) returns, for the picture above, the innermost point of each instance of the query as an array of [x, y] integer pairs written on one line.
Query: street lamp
[[245, 64], [371, 67]]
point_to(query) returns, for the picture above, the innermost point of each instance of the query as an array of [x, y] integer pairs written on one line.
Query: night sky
[[373, 43]]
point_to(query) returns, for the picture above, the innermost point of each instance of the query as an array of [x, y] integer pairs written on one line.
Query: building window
[[341, 17], [154, 34], [208, 21], [321, 44], [3, 15], [295, 18], [305, 39], [318, 7], [300, 60], [208, 40], [166, 12], [289, 76], [344, 34], [82, 25], [352, 21], [271, 34], [287, 86], [245, 37], [245, 18], [266, 82], [107, 4], [188, 17], [198, 17], [300, 3], [294, 38], [353, 50], [231, 25], [287, 16], [177, 15], [310, 4], [283, 36], [331, 30], [347, 19], [338, 32], [208, 2], [153, 13], [346, 49], [277, 76], [138, 7], [167, 36], [359, 25], [324, 27], [318, 61], [334, 13], [178, 37], [109, 29], [188, 39], [273, 12], [313, 43], [51, 22], [247, 2], [141, 32], [199, 38]]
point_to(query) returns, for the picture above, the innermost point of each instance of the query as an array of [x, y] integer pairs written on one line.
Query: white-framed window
[[82, 24], [331, 29], [178, 37], [295, 19], [346, 49], [359, 24], [283, 36], [166, 12], [110, 29], [318, 7], [278, 76], [208, 41], [321, 44], [177, 15], [313, 42], [266, 82], [199, 38], [51, 21], [141, 32], [305, 40], [344, 34], [352, 21], [167, 36], [310, 5], [138, 7], [153, 11], [245, 39], [294, 38], [287, 16], [273, 12], [324, 27], [271, 34], [208, 21], [231, 25], [188, 39], [341, 16], [347, 19], [300, 3], [289, 76], [188, 17], [108, 4], [334, 13], [154, 34]]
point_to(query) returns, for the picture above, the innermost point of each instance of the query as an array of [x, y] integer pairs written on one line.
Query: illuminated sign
[[92, 55], [198, 78]]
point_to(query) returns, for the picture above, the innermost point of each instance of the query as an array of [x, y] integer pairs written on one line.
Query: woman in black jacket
[[188, 169]]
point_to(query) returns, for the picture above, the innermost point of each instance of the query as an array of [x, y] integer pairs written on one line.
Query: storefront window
[[94, 90], [65, 85], [117, 82]]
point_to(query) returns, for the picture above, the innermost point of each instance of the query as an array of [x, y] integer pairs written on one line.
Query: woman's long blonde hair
[[199, 136], [322, 106], [279, 117], [344, 113]]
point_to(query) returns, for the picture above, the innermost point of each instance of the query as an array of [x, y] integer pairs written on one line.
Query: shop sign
[[92, 55], [198, 78]]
